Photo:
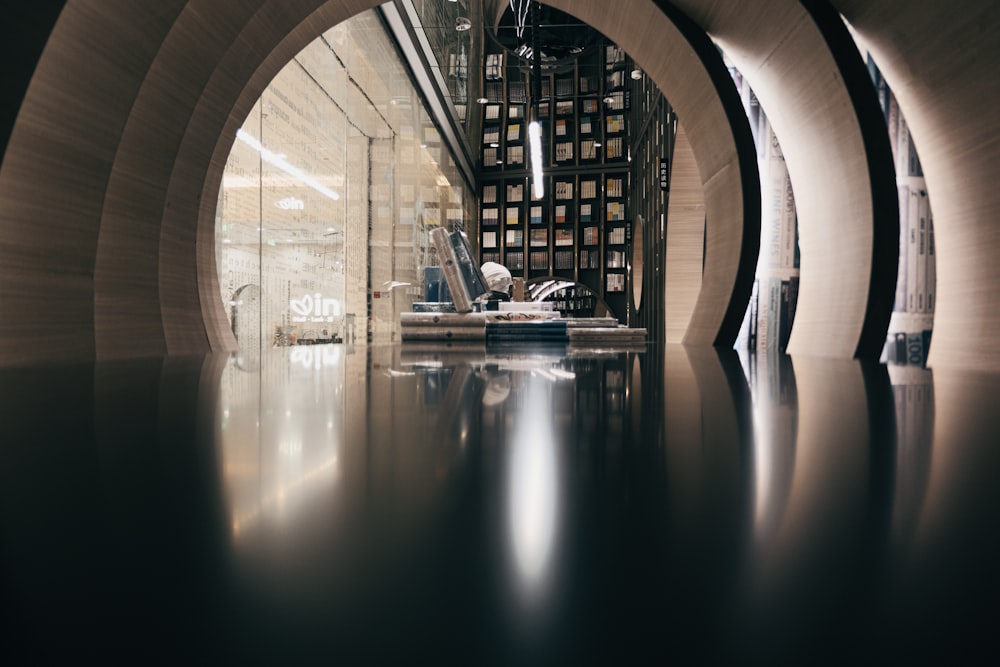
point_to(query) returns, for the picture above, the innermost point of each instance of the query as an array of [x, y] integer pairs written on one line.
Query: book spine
[[787, 221], [911, 251], [443, 333], [921, 202], [774, 314], [442, 319], [931, 261], [901, 287]]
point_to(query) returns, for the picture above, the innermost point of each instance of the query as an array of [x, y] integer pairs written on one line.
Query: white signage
[[314, 308]]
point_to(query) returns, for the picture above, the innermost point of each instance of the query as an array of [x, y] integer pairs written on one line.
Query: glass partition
[[333, 184]]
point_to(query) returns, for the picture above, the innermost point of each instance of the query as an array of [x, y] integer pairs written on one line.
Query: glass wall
[[330, 192]]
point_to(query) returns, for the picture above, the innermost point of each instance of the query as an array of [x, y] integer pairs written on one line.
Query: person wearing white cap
[[498, 280]]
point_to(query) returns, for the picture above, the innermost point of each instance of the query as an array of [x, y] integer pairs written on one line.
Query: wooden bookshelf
[[580, 229]]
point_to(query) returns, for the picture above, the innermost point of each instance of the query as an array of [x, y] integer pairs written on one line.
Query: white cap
[[497, 277]]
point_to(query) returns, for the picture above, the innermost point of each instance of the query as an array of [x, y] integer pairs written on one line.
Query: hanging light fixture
[[534, 127]]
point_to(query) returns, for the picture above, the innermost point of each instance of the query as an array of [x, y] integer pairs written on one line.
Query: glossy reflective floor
[[389, 504]]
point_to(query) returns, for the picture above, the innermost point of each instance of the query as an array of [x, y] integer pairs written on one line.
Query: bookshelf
[[580, 230]]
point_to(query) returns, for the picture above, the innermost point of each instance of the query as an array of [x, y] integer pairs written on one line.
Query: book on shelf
[[543, 110], [588, 150], [515, 155], [564, 108], [614, 187], [564, 151], [515, 111], [616, 212], [491, 216], [538, 259], [463, 275], [563, 237], [586, 212], [545, 87], [588, 189], [539, 237], [489, 239], [615, 282], [491, 256], [588, 105], [783, 296], [586, 127], [590, 259], [563, 259], [494, 91], [564, 189], [494, 66], [616, 79], [515, 261], [491, 134], [590, 236], [615, 259], [492, 111], [515, 192], [513, 215], [490, 194], [616, 236], [614, 123], [588, 84], [615, 148], [513, 131], [514, 238], [613, 55], [561, 127], [489, 157], [516, 92], [564, 87], [560, 213], [535, 215]]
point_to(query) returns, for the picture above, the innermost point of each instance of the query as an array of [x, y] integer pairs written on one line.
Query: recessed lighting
[[494, 145], [462, 24], [482, 100], [636, 74], [423, 145], [609, 100], [597, 144]]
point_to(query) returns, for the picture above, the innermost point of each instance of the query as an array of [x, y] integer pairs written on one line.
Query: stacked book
[[442, 326], [521, 331], [588, 332]]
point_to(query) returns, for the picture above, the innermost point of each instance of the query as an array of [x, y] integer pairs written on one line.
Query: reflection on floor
[[386, 503]]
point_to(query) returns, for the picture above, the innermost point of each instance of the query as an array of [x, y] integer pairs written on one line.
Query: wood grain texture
[[791, 66], [704, 98], [940, 59], [685, 239]]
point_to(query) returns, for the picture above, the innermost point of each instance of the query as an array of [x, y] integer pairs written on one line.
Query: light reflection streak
[[532, 491]]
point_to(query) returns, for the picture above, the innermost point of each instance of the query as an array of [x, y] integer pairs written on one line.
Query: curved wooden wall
[[940, 60], [685, 239], [109, 175], [681, 59], [812, 83]]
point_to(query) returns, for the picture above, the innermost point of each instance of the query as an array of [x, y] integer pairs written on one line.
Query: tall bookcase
[[580, 229]]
